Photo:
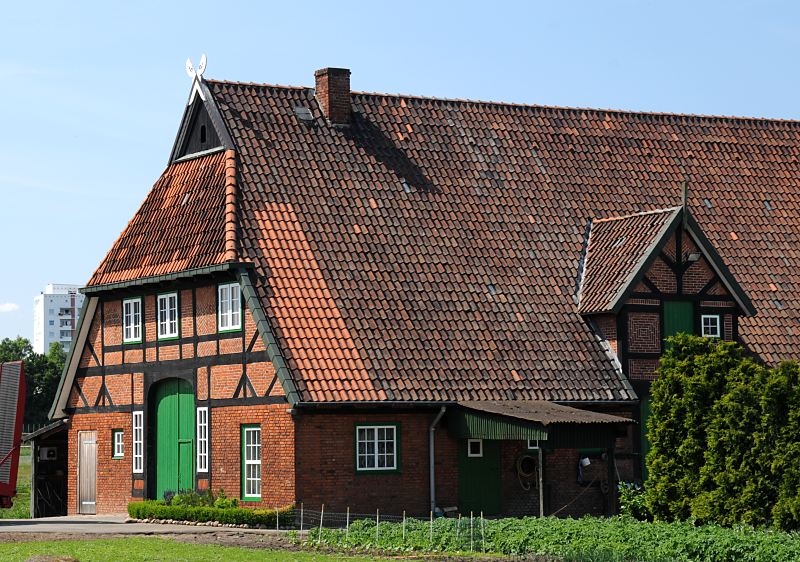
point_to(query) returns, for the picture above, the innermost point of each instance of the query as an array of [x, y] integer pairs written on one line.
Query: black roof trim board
[[199, 89], [71, 364], [155, 279], [268, 336]]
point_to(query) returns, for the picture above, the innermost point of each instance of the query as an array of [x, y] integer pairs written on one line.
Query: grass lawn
[[22, 503], [138, 548]]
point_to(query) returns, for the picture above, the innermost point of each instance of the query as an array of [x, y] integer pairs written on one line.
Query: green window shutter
[[678, 317]]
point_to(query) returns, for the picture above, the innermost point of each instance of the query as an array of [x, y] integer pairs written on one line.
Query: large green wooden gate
[[174, 419], [479, 479]]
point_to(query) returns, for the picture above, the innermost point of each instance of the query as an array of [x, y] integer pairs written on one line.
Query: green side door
[[174, 419], [479, 479]]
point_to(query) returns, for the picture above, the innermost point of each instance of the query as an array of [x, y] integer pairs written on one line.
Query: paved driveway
[[107, 524]]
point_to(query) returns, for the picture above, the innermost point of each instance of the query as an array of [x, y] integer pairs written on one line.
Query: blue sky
[[91, 92]]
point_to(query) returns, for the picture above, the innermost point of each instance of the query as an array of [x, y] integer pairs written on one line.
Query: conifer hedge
[[725, 437]]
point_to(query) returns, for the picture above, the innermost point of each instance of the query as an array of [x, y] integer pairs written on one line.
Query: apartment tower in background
[[55, 315]]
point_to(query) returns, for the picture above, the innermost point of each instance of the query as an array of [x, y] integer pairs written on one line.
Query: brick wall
[[113, 475], [563, 492], [277, 452], [607, 323], [326, 465], [326, 470]]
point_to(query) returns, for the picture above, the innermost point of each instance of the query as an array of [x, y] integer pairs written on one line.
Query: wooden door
[[479, 479], [174, 431], [87, 472]]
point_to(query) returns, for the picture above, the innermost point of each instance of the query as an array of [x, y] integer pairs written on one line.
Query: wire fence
[[465, 533]]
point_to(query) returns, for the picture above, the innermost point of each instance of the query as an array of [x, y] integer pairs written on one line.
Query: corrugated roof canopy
[[541, 412]]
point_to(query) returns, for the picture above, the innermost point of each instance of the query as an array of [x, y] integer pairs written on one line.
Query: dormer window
[[711, 326]]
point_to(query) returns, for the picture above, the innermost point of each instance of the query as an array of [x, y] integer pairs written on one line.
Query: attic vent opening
[[203, 136], [768, 205], [619, 242], [492, 289], [707, 202], [185, 199]]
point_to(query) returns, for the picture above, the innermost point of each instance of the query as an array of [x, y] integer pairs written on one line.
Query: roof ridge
[[532, 106], [639, 214]]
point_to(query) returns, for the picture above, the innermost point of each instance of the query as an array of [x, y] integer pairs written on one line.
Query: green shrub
[[723, 432], [191, 498], [632, 501], [150, 509], [224, 502], [614, 539]]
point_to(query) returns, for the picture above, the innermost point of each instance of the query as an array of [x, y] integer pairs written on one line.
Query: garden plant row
[[607, 539]]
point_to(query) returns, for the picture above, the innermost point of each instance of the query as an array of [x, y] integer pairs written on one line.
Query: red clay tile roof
[[431, 250], [617, 250], [183, 223]]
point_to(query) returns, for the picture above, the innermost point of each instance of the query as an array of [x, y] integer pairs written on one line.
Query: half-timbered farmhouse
[[407, 303]]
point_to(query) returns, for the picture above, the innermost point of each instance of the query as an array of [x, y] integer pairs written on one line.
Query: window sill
[[132, 342], [168, 338], [374, 471], [117, 458], [258, 499], [228, 330]]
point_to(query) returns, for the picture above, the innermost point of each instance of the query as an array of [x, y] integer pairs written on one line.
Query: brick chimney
[[333, 94]]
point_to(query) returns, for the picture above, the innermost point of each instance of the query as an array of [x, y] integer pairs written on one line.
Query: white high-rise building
[[55, 315]]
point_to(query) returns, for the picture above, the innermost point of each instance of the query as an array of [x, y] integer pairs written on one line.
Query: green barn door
[[479, 479], [174, 407]]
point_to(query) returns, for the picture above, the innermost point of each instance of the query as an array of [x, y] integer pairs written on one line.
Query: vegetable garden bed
[[608, 539]]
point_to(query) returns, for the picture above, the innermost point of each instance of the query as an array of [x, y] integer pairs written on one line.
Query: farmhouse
[[384, 301]]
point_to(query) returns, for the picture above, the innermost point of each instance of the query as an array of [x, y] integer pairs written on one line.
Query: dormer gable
[[652, 254]]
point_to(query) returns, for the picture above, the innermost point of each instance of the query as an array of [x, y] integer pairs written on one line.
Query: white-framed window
[[474, 447], [118, 440], [710, 325], [138, 442], [251, 462], [376, 447], [202, 439], [533, 444], [229, 307], [167, 311], [132, 320]]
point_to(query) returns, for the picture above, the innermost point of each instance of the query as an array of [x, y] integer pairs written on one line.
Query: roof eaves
[[155, 279]]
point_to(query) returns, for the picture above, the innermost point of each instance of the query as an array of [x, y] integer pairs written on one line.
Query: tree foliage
[[723, 432], [42, 372]]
